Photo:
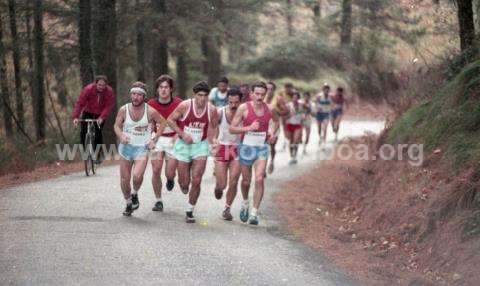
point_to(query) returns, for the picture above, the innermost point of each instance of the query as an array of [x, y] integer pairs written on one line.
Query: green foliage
[[297, 57], [450, 120]]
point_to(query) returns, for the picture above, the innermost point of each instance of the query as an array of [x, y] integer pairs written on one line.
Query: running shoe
[[158, 207], [227, 215], [170, 184], [128, 210], [244, 214], [253, 220], [218, 194], [135, 202], [189, 217]]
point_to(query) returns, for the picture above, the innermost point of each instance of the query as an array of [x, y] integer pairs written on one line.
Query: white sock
[[254, 211], [134, 192], [245, 203], [227, 206], [129, 200], [190, 207]]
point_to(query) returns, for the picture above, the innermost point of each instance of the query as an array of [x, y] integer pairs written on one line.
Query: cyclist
[[95, 102]]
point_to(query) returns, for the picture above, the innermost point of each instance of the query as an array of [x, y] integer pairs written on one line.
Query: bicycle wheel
[[89, 163]]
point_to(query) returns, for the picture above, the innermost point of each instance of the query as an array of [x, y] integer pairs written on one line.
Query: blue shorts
[[247, 155], [337, 112], [131, 152], [320, 116]]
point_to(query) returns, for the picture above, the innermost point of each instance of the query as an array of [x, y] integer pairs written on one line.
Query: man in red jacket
[[95, 102]]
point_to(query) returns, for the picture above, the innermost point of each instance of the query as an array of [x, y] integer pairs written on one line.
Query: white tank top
[[138, 131], [224, 136], [296, 118]]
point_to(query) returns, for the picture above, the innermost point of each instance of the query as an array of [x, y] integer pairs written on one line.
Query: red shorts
[[292, 127], [226, 153]]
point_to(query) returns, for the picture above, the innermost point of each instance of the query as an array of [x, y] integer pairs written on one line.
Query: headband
[[138, 90]]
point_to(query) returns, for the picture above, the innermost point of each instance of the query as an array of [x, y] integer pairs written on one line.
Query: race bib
[[195, 133], [254, 138], [139, 138]]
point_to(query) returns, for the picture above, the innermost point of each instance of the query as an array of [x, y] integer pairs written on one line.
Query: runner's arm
[[176, 115], [212, 124], [159, 122], [276, 122], [235, 127], [118, 127]]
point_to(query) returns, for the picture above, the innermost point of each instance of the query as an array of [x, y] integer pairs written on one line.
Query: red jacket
[[90, 100]]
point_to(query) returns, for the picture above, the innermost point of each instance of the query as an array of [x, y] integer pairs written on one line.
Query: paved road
[[70, 231]]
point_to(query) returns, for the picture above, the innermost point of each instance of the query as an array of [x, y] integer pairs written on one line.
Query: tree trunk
[[289, 18], [317, 16], [39, 112], [346, 28], [182, 74], [105, 54], [123, 56], [16, 63], [7, 116], [85, 41], [213, 62], [31, 79], [140, 27], [466, 24], [56, 65], [160, 42]]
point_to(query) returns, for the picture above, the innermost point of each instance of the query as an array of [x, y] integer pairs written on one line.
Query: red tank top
[[263, 120], [165, 110], [191, 119], [338, 99]]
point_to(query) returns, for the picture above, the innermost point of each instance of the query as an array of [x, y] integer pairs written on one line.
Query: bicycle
[[89, 143]]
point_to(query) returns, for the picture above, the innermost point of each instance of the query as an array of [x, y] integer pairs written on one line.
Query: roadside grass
[[450, 121]]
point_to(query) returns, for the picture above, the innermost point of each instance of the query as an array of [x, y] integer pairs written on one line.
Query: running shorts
[[321, 116], [131, 152], [337, 112], [165, 144], [226, 153], [187, 152], [249, 154], [292, 127]]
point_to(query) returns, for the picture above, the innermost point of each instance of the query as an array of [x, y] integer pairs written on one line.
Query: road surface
[[71, 231]]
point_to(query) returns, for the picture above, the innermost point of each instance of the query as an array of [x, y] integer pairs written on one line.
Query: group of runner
[[237, 126]]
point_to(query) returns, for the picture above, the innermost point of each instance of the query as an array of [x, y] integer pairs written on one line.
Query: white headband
[[138, 90]]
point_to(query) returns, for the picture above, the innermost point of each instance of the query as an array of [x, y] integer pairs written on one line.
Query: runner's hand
[[124, 139], [151, 144], [272, 139], [75, 122], [214, 148], [254, 126], [186, 138], [99, 121]]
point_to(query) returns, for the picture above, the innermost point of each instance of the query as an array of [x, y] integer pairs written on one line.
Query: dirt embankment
[[387, 222]]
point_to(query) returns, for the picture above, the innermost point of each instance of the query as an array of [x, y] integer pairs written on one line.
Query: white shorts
[[165, 144]]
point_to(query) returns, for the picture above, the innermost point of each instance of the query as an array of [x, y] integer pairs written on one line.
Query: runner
[[293, 126], [280, 109], [133, 129], [218, 95], [323, 107], [226, 161], [192, 120], [252, 120], [165, 103], [95, 102], [284, 97], [339, 102], [307, 121], [245, 90]]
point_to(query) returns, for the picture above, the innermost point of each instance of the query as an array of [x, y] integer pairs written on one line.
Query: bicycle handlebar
[[88, 120]]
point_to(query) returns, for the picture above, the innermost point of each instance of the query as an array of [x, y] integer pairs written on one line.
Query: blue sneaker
[[253, 220], [244, 214]]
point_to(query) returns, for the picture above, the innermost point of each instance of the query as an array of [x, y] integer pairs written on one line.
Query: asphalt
[[71, 231]]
